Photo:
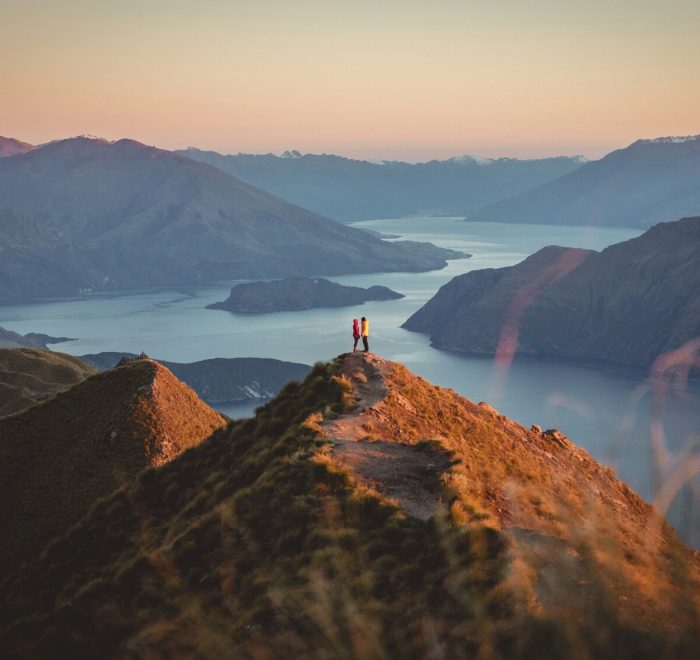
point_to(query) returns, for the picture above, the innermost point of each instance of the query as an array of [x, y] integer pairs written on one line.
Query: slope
[[219, 380], [628, 304], [11, 147], [30, 375], [59, 457], [123, 215], [365, 513], [648, 182], [346, 189]]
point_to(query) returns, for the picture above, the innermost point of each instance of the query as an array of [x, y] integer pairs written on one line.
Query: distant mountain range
[[89, 215], [346, 189], [628, 304], [648, 182]]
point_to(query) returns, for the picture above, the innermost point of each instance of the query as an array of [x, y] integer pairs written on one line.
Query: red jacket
[[355, 329]]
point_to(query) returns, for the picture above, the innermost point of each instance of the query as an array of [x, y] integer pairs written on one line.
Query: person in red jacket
[[355, 333], [365, 333]]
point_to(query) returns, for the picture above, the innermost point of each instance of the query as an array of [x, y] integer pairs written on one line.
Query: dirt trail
[[407, 473]]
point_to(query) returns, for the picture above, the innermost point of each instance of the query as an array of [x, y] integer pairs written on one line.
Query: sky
[[384, 79]]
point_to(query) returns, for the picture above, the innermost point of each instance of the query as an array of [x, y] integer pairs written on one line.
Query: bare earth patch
[[406, 473]]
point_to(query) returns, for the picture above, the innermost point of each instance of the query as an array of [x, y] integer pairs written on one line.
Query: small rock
[[536, 428]]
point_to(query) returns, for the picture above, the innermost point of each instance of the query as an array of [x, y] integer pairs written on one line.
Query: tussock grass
[[255, 544]]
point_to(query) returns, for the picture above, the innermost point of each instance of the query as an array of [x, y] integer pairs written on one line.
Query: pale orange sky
[[384, 79]]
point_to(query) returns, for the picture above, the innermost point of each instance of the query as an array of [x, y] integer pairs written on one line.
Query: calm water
[[608, 411]]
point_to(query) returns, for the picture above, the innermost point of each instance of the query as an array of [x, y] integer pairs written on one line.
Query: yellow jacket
[[365, 328]]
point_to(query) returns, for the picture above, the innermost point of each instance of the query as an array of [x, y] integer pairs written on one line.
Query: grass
[[31, 375], [254, 544], [58, 457]]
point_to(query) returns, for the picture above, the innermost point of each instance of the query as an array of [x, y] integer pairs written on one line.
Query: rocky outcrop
[[298, 293], [628, 304]]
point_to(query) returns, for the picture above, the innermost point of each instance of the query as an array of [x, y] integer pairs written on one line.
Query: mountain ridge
[[628, 304], [521, 542], [58, 457], [348, 189], [647, 182], [122, 215]]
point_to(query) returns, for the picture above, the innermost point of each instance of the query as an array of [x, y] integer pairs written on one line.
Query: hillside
[[59, 457], [30, 375], [346, 189], [298, 293], [9, 339], [365, 513], [11, 147], [628, 304], [648, 182], [222, 380], [115, 216]]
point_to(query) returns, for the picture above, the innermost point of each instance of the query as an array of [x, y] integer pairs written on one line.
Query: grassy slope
[[567, 517], [255, 543], [58, 457], [30, 375]]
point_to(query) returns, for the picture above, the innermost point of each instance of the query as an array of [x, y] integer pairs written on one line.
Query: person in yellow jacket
[[365, 333]]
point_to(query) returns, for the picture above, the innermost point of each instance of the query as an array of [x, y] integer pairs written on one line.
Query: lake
[[607, 410]]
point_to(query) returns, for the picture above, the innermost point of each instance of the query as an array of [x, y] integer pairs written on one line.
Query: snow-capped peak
[[291, 154], [475, 160], [672, 139]]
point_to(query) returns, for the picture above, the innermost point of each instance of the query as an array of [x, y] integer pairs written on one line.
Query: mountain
[[89, 215], [364, 513], [30, 375], [9, 339], [221, 380], [346, 189], [648, 182], [298, 293], [628, 304], [12, 147], [61, 456]]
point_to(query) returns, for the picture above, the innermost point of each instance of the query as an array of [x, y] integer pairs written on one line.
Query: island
[[298, 293]]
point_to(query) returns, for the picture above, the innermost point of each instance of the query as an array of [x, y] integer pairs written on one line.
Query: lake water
[[608, 411]]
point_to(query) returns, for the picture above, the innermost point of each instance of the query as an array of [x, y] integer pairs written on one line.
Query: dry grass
[[31, 375], [256, 544], [58, 457]]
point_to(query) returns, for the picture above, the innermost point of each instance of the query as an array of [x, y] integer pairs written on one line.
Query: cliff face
[[365, 512], [628, 304], [57, 458]]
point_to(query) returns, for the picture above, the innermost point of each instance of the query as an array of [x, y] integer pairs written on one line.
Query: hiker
[[365, 333], [355, 333]]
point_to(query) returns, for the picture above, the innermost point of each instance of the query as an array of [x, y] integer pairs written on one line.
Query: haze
[[408, 80]]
